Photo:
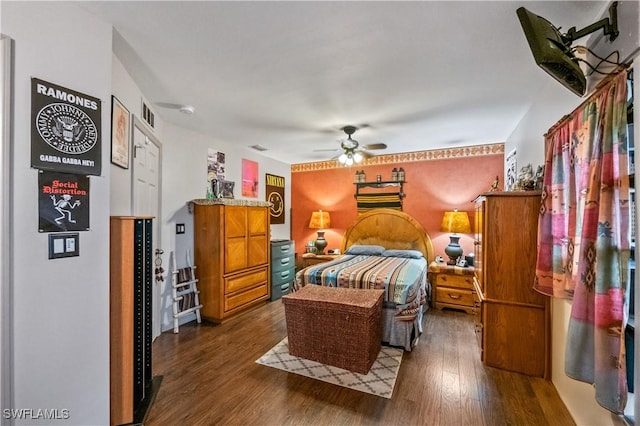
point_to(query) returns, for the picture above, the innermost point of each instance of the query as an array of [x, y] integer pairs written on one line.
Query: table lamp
[[455, 222], [320, 220]]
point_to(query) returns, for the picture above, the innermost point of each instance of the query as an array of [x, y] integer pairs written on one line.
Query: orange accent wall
[[431, 187]]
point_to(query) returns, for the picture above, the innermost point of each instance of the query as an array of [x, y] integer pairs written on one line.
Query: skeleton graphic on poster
[[64, 207]]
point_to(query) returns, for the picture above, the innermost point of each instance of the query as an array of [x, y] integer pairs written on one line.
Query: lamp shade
[[320, 220], [455, 222]]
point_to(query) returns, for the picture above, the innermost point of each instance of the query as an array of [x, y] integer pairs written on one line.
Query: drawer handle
[[284, 262], [454, 297], [284, 274]]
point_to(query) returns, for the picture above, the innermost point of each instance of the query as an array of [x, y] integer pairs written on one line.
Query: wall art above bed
[[379, 194]]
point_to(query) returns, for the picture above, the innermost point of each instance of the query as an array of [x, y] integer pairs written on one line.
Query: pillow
[[371, 250], [412, 254]]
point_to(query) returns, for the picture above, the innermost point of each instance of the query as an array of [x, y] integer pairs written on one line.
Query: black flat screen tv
[[551, 52]]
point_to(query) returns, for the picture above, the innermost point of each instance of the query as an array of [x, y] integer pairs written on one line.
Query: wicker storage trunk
[[336, 326]]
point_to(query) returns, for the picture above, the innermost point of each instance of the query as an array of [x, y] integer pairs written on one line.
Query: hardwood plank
[[210, 377]]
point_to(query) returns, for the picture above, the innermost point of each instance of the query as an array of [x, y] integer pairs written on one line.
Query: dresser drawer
[[282, 248], [281, 277], [277, 291], [454, 296], [459, 281], [240, 282], [242, 298], [283, 263]]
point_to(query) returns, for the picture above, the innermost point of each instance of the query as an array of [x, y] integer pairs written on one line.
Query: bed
[[385, 249]]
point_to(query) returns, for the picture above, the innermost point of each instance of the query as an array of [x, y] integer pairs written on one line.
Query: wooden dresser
[[514, 322], [452, 287], [231, 240]]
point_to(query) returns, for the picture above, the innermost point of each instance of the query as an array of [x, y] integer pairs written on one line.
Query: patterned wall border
[[406, 157]]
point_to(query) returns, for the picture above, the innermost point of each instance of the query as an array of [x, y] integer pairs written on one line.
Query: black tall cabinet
[[132, 386]]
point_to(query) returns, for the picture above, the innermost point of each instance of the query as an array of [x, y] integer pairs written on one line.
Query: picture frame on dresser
[[227, 188]]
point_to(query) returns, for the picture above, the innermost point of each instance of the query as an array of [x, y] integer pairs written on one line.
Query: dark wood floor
[[211, 378]]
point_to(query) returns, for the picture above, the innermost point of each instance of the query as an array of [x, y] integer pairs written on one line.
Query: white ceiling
[[289, 75]]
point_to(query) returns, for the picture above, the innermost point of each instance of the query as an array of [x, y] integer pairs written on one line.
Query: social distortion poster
[[65, 129], [63, 202]]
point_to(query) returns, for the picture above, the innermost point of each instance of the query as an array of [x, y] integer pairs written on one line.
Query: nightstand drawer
[[459, 281], [314, 259], [454, 296]]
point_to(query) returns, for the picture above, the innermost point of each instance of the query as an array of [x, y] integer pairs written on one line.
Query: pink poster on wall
[[249, 178]]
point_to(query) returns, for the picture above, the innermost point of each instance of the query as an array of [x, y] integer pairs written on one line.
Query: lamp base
[[453, 250], [321, 243]]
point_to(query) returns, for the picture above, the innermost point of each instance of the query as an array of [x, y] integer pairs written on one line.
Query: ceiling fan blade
[[366, 155], [327, 150], [376, 146]]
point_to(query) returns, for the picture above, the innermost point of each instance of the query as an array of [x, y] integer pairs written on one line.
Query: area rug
[[379, 381]]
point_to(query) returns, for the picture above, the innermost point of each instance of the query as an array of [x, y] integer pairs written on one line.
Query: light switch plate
[[64, 245]]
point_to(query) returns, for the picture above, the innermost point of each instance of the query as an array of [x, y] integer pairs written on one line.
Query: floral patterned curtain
[[583, 237]]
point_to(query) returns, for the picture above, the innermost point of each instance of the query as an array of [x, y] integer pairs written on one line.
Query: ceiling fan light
[[357, 157], [343, 158], [349, 160]]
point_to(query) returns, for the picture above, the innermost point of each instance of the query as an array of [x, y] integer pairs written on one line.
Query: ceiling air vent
[[258, 147]]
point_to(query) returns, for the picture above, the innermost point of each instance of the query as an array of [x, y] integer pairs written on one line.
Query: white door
[[146, 199]]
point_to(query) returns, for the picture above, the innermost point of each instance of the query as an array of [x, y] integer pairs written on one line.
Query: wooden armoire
[[232, 244], [514, 327]]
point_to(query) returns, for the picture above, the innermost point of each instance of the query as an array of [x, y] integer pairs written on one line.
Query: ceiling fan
[[353, 152]]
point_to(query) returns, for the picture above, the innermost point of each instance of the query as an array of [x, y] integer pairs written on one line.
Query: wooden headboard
[[391, 229]]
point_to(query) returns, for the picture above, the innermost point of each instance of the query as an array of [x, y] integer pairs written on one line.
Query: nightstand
[[309, 259], [452, 287]]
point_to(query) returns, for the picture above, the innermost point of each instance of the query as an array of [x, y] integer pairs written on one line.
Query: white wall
[[184, 177], [60, 307], [128, 93], [554, 102]]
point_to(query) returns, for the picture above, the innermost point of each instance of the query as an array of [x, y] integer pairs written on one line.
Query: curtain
[[583, 237]]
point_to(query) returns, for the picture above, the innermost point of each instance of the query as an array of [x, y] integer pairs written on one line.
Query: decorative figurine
[[494, 185], [539, 177], [525, 181]]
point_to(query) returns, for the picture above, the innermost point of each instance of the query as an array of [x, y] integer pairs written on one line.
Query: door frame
[[6, 233], [156, 320]]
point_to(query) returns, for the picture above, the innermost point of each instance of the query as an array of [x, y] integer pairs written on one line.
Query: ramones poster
[[275, 195], [63, 202], [65, 129]]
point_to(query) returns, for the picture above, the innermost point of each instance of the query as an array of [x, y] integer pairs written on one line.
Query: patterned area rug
[[379, 381]]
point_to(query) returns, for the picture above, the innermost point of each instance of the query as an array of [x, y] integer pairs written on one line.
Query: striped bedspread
[[403, 279]]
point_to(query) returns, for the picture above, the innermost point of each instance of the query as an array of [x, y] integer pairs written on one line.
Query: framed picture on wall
[[227, 188], [120, 133], [249, 178]]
